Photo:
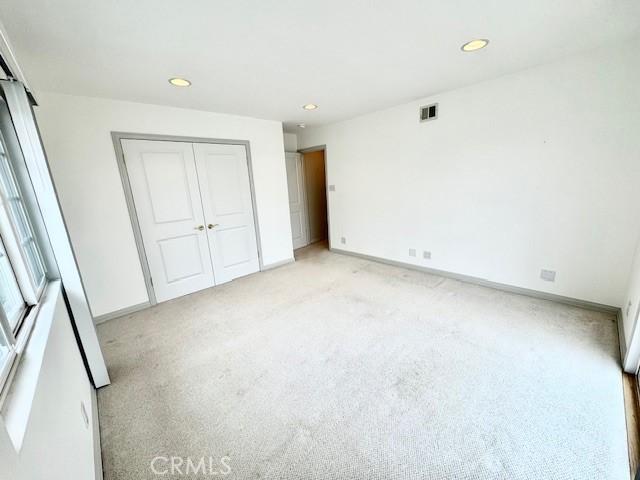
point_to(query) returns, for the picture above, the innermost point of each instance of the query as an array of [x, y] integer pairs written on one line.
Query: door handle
[[200, 227], [210, 226]]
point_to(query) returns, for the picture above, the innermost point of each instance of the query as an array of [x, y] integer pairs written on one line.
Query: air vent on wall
[[429, 112]]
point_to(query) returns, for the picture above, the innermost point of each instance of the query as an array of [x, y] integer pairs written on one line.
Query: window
[[24, 230], [22, 270], [13, 303], [7, 352]]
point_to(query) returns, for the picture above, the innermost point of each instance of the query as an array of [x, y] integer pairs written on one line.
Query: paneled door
[[223, 174], [297, 203], [164, 184]]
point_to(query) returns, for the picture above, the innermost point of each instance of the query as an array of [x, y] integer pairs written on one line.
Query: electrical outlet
[[426, 255], [332, 188], [412, 252], [343, 240], [548, 275]]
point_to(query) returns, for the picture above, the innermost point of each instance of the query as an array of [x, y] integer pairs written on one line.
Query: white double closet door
[[194, 208]]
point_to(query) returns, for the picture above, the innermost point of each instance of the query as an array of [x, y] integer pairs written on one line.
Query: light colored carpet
[[340, 368]]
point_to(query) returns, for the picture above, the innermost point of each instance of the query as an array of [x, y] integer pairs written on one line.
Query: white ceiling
[[266, 58]]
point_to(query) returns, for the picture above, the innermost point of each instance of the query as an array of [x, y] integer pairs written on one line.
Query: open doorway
[[306, 178]]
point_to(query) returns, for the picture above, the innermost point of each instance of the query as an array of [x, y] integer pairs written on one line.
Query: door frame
[[319, 148], [116, 137]]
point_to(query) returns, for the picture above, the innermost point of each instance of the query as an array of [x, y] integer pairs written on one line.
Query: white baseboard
[[278, 264], [120, 313], [487, 283], [141, 306]]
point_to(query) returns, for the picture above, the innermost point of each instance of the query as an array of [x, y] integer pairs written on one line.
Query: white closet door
[[165, 191], [223, 174], [297, 203]]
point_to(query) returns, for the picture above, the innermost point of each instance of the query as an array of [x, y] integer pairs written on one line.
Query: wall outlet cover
[[332, 188], [412, 252], [426, 255], [343, 240], [548, 275]]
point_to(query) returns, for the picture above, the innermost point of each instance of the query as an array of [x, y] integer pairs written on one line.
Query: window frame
[[23, 307], [7, 364], [14, 239], [14, 244]]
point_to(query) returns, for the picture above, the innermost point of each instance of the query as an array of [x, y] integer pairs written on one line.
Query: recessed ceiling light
[[474, 45], [302, 125], [310, 106], [179, 82]]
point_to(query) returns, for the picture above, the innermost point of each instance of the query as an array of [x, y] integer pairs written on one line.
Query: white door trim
[[326, 183], [116, 137]]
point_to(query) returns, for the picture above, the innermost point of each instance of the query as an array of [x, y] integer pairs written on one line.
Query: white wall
[[533, 170], [77, 136], [56, 444], [290, 142]]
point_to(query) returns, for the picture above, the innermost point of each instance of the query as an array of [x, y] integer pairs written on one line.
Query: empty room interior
[[319, 240]]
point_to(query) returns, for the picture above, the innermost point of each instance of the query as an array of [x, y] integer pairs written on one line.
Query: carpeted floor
[[336, 367]]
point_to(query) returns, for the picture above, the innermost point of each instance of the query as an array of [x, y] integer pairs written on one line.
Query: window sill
[[21, 388]]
